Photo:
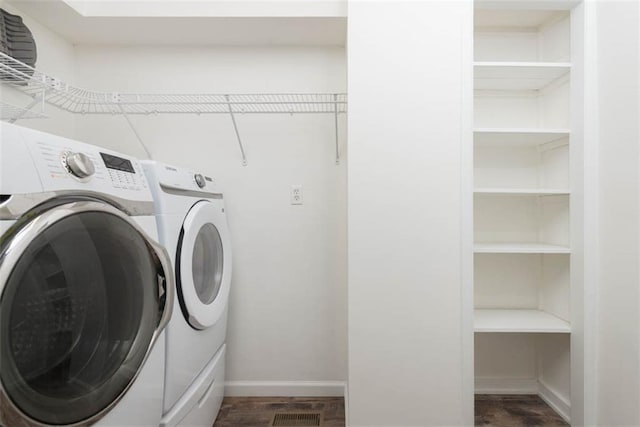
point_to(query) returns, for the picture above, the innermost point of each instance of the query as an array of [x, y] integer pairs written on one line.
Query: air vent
[[297, 419]]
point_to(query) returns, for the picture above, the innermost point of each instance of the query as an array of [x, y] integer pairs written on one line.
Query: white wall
[[55, 57], [288, 302], [408, 119], [619, 228]]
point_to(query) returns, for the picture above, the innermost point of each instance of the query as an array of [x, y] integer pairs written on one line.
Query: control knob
[[200, 180], [79, 165]]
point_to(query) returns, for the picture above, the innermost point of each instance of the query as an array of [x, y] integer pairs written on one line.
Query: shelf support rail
[[26, 109], [133, 129], [235, 128], [37, 99]]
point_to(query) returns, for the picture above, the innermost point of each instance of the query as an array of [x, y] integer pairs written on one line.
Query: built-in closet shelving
[[520, 76], [522, 320], [518, 137], [520, 248], [522, 194]]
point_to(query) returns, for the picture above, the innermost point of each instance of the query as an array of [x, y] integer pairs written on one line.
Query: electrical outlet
[[296, 194]]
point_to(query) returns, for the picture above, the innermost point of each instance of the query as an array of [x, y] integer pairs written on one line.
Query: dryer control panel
[[184, 179], [176, 189]]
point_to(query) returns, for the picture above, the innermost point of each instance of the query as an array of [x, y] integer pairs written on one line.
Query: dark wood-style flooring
[[515, 411], [491, 410], [258, 411]]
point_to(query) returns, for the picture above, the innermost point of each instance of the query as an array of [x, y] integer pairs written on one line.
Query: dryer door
[[84, 294], [204, 265]]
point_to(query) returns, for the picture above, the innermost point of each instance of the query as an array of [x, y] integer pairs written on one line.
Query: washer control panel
[[122, 172], [66, 164], [78, 164]]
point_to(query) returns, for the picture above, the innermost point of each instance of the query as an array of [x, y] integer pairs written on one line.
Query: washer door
[[84, 294], [204, 265]]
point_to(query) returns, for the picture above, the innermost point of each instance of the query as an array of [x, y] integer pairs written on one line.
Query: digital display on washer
[[117, 163]]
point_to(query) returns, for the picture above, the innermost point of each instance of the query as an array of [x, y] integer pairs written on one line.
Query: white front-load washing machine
[[85, 290], [193, 227]]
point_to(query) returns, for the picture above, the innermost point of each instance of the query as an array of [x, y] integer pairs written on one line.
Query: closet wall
[[409, 117], [287, 319], [618, 164], [288, 301]]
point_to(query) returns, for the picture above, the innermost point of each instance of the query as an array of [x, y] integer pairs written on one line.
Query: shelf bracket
[[135, 132], [235, 128], [335, 117], [35, 101]]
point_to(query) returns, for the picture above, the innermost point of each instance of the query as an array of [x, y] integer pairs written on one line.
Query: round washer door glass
[[203, 265], [77, 316], [208, 258]]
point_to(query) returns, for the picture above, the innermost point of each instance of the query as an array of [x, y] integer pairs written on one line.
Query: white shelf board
[[523, 191], [517, 136], [519, 248], [518, 320], [517, 75], [518, 20]]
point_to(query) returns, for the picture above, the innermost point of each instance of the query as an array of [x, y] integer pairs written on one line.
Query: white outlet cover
[[296, 195]]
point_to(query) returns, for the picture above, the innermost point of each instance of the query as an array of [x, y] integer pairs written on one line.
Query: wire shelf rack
[[43, 88], [82, 101]]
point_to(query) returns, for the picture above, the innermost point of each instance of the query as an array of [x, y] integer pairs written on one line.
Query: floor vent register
[[297, 419]]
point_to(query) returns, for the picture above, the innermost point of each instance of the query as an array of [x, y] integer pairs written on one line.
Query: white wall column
[[408, 121], [619, 214]]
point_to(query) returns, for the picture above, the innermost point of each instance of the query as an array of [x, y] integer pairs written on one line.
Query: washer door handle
[[166, 283]]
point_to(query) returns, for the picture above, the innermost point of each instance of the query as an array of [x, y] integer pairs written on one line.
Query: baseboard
[[285, 388], [557, 402], [346, 403], [506, 386]]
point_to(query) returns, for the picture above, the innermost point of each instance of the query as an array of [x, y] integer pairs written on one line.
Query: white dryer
[[85, 291], [193, 227]]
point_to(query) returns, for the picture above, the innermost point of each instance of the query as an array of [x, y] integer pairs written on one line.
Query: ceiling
[[211, 22], [210, 8]]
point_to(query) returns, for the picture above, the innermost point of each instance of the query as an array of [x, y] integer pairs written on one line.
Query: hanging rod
[[235, 128]]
